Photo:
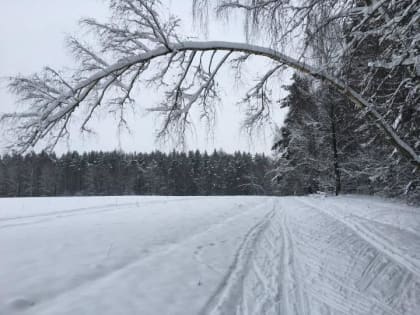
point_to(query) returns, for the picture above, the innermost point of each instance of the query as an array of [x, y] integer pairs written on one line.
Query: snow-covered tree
[[139, 46], [304, 146]]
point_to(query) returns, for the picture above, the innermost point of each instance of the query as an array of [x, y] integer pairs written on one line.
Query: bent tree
[[137, 46]]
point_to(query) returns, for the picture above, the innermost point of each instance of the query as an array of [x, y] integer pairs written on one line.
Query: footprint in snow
[[21, 303]]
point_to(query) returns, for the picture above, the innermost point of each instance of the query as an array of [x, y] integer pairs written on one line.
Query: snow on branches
[[137, 46]]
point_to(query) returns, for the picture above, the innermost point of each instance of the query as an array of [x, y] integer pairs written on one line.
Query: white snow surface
[[209, 255]]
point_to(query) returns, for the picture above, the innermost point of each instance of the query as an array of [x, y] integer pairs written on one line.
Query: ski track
[[305, 256], [61, 214], [303, 260], [229, 293], [162, 249], [376, 239]]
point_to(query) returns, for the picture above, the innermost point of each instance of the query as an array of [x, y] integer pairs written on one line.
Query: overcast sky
[[32, 35]]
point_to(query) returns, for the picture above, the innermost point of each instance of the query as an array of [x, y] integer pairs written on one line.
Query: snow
[[209, 255], [51, 114]]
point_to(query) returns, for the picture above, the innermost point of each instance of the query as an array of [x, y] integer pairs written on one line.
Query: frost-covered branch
[[258, 101], [140, 44]]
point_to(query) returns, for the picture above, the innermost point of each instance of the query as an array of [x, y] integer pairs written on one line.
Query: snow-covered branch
[[141, 43]]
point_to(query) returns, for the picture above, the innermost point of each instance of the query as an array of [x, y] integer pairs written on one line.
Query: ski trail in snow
[[375, 239], [294, 293], [349, 272], [265, 277], [228, 296], [102, 274], [61, 214], [288, 256], [301, 261]]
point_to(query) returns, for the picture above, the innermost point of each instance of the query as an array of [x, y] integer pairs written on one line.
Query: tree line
[[367, 51], [325, 146], [331, 143], [354, 116], [118, 173]]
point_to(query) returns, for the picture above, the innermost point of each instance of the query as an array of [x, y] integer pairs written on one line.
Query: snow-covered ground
[[209, 255]]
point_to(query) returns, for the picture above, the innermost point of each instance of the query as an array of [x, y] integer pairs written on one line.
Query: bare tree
[[138, 46]]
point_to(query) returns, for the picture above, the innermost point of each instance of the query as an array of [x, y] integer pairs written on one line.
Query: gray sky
[[32, 35]]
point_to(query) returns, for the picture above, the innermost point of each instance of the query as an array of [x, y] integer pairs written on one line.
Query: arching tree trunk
[[58, 110]]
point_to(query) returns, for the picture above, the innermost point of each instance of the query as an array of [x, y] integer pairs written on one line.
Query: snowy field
[[209, 255]]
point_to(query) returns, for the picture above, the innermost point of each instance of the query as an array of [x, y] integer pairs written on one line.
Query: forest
[[325, 146], [118, 173], [353, 104], [326, 221]]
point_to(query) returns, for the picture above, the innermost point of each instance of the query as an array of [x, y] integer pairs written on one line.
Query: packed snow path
[[209, 255]]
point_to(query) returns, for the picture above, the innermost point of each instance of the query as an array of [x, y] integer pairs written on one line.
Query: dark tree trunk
[[335, 151]]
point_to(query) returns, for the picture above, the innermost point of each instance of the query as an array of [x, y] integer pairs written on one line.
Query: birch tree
[[139, 47]]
